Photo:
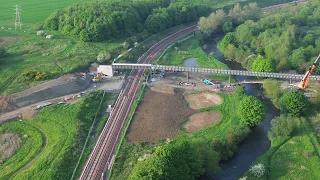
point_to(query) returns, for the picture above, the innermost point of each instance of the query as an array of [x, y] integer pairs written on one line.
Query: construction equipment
[[97, 77], [207, 82], [187, 84], [304, 82]]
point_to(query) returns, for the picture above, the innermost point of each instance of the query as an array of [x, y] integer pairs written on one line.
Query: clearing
[[9, 143], [203, 100], [201, 120], [158, 117]]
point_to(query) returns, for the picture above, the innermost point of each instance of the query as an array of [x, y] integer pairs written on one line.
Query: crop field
[[33, 11], [52, 141], [292, 157]]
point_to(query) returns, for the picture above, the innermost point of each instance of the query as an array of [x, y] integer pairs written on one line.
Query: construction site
[[65, 89]]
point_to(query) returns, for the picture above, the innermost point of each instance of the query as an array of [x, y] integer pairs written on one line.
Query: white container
[[109, 106]]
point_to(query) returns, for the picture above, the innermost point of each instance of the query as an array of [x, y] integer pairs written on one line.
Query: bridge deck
[[212, 71]]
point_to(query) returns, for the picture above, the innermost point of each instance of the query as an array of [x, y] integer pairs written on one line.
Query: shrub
[[294, 102], [224, 148], [34, 75], [283, 125], [237, 134], [3, 52], [251, 111], [257, 170]]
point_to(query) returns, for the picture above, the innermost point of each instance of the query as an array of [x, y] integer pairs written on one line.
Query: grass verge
[[292, 157]]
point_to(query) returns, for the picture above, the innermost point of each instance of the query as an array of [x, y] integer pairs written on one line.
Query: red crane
[[304, 82]]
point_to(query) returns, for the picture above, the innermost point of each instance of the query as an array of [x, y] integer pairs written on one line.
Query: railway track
[[102, 156]]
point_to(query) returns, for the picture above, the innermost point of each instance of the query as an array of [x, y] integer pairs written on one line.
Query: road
[[102, 156]]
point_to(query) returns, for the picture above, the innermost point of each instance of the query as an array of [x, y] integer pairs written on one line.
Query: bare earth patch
[[9, 143], [158, 117], [9, 40], [202, 120], [163, 89], [203, 99]]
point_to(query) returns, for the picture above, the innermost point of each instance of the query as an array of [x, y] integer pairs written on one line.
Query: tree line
[[101, 21], [278, 41]]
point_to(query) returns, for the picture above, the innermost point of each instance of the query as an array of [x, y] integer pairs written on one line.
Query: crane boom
[[304, 82]]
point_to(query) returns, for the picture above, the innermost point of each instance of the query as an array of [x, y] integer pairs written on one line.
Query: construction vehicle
[[207, 82], [97, 77], [187, 84], [304, 82]]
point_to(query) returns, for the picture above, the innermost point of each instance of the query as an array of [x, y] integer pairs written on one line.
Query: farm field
[[55, 139]]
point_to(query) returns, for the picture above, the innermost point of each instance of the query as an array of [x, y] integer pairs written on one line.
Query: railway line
[[101, 158]]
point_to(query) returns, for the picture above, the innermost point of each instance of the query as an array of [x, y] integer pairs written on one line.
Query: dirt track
[[158, 117]]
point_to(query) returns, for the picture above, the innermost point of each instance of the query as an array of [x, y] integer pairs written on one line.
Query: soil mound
[[202, 120], [203, 99]]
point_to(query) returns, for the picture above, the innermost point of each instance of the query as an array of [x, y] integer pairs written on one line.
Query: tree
[[3, 52], [229, 38], [251, 111], [177, 160], [257, 170], [294, 102], [103, 57], [298, 58], [263, 65], [283, 125], [227, 26], [272, 90]]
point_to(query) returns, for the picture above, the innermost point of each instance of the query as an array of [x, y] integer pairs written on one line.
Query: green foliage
[[34, 75], [272, 90], [2, 52], [294, 102], [224, 148], [237, 134], [251, 111], [290, 157], [283, 125], [288, 38], [104, 58], [263, 65], [110, 20], [178, 160], [229, 38]]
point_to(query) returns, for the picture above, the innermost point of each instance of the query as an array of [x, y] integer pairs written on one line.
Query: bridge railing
[[212, 71]]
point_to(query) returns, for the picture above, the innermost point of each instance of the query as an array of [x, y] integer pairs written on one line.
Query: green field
[[33, 11], [292, 157], [54, 140], [55, 57]]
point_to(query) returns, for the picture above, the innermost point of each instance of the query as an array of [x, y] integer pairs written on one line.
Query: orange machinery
[[304, 82]]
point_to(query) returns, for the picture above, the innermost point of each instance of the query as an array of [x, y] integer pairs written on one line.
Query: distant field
[[33, 11]]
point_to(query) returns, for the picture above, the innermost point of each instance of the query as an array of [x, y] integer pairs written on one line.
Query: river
[[257, 143]]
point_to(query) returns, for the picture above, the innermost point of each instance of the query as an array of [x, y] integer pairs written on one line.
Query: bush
[[251, 111], [294, 102], [224, 148], [237, 135], [104, 58], [3, 52], [35, 75], [283, 125], [257, 170]]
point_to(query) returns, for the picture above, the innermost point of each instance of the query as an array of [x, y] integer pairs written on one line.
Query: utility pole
[[17, 23]]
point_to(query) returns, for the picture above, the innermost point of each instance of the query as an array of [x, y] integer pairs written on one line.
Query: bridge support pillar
[[290, 81], [187, 76], [229, 79]]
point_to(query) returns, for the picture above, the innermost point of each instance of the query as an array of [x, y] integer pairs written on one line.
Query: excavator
[[304, 82]]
